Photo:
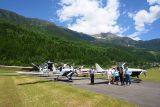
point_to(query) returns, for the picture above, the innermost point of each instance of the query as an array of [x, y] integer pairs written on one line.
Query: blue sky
[[138, 19]]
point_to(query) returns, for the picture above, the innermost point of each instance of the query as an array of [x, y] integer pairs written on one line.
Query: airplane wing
[[19, 67], [30, 73], [136, 72]]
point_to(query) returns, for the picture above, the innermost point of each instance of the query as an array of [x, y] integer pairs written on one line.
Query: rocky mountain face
[[126, 41]]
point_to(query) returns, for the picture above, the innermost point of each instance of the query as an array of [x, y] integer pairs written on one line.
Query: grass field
[[153, 75], [27, 91]]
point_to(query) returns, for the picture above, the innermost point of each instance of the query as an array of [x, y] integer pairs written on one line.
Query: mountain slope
[[19, 45], [43, 26], [114, 39], [153, 44], [126, 41]]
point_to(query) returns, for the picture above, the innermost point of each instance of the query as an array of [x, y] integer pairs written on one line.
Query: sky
[[137, 19]]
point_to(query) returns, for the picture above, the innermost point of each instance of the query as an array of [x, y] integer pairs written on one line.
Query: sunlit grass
[[28, 91], [9, 95], [153, 74]]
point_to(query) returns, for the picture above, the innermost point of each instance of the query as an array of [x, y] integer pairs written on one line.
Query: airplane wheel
[[70, 79], [55, 79]]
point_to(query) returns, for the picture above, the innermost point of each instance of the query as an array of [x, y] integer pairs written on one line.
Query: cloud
[[135, 36], [90, 16], [152, 2], [143, 18]]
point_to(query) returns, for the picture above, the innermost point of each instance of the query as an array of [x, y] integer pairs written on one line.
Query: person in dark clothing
[[60, 68], [92, 75], [50, 65], [121, 75]]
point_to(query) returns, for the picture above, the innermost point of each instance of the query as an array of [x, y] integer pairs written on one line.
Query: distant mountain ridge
[[153, 44]]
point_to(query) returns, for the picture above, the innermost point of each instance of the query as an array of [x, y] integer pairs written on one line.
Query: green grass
[[153, 75], [28, 91]]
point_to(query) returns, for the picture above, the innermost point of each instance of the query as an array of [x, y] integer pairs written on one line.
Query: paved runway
[[145, 94]]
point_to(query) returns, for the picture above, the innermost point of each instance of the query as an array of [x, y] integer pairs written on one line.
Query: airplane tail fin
[[98, 68]]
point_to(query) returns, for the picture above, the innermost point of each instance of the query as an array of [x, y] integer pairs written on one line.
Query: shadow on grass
[[36, 82]]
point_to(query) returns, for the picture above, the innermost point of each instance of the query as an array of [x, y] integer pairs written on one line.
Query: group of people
[[115, 75], [119, 74]]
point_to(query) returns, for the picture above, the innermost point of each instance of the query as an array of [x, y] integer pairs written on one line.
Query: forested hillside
[[25, 40], [45, 27]]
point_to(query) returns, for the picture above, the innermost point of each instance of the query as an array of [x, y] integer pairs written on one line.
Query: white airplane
[[134, 71], [64, 70], [43, 69], [82, 71], [49, 69]]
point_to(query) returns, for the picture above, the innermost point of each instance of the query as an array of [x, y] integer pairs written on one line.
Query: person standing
[[113, 76], [127, 75], [60, 68], [92, 75], [121, 75], [50, 65], [116, 73], [109, 75]]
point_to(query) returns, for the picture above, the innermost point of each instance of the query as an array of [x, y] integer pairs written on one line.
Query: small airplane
[[85, 71], [134, 72], [49, 69], [82, 71], [64, 70], [43, 69]]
